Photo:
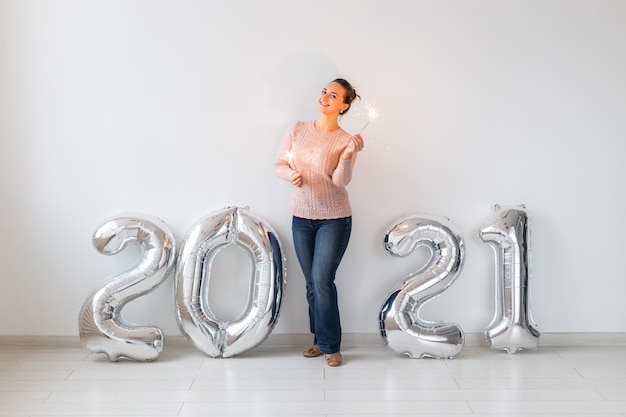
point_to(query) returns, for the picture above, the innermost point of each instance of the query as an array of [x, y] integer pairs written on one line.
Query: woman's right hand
[[355, 145], [296, 179]]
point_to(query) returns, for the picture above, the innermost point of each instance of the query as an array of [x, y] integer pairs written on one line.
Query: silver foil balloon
[[508, 233], [101, 327], [229, 226], [401, 327]]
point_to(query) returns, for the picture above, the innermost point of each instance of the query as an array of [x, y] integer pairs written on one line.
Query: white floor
[[63, 379]]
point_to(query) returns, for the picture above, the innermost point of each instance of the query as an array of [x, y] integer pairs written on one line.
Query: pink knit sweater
[[317, 156]]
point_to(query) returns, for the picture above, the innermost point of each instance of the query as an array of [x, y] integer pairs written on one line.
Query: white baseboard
[[471, 339], [582, 339], [299, 340]]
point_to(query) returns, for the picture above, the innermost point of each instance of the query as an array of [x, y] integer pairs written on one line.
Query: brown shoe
[[333, 359], [312, 352]]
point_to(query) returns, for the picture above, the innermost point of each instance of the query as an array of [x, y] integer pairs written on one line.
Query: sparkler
[[371, 114], [288, 157]]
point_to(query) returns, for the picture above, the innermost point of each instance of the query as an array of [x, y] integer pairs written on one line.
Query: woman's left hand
[[355, 145]]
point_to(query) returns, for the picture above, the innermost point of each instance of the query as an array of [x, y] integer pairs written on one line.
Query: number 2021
[[102, 329]]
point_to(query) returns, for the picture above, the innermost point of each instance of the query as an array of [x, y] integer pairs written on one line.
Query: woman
[[318, 158]]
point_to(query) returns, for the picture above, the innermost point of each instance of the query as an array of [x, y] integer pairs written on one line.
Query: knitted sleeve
[[343, 173], [282, 166]]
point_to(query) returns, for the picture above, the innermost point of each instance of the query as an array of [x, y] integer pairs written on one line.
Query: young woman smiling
[[318, 158]]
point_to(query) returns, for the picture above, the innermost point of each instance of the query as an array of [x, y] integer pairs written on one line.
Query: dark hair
[[350, 95]]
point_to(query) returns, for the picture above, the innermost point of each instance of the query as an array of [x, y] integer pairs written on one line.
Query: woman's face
[[331, 99]]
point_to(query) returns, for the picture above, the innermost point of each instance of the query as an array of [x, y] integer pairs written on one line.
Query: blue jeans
[[320, 245]]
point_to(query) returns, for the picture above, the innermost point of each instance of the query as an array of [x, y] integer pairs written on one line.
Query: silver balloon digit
[[101, 327], [508, 233], [401, 327], [230, 226]]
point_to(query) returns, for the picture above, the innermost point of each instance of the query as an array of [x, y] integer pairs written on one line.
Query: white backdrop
[[176, 109]]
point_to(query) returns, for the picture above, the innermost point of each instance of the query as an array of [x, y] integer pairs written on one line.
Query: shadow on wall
[[15, 175], [293, 86], [296, 81]]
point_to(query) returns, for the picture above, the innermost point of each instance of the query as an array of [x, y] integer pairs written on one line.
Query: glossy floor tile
[[63, 379]]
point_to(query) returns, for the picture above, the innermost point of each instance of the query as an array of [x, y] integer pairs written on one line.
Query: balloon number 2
[[402, 329], [101, 327], [512, 329], [100, 324]]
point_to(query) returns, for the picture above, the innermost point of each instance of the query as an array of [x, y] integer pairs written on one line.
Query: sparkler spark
[[371, 114], [288, 157]]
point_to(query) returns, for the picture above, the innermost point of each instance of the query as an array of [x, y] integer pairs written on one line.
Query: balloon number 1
[[512, 327], [101, 327]]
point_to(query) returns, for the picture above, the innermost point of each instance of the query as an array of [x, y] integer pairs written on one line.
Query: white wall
[[176, 109]]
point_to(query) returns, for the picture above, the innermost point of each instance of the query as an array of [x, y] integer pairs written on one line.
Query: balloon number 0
[[195, 318], [102, 329]]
